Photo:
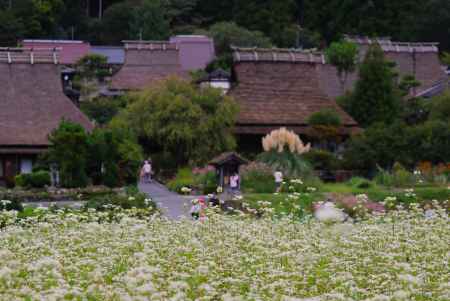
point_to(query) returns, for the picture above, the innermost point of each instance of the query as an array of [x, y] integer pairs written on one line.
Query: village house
[[149, 62], [32, 104], [420, 60], [280, 88]]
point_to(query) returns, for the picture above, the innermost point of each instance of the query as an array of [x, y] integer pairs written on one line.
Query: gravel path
[[172, 205]]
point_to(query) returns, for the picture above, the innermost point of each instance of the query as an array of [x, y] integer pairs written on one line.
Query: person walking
[[146, 171], [278, 175]]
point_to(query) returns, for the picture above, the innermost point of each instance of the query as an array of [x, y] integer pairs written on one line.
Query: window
[[26, 165]]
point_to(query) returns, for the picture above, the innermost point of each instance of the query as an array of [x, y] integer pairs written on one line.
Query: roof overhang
[[22, 150]]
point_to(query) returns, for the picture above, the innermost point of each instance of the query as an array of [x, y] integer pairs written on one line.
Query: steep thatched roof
[[147, 63], [280, 88], [32, 102]]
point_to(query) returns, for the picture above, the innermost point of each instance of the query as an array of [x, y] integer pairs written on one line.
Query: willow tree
[[189, 125]]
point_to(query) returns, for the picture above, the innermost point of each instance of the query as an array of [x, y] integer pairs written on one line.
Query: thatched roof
[[280, 88], [32, 102], [418, 59], [147, 63]]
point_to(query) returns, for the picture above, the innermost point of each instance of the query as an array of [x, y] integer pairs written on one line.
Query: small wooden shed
[[226, 165]]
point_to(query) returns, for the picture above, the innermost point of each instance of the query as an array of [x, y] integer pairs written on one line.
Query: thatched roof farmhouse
[[32, 104], [281, 88]]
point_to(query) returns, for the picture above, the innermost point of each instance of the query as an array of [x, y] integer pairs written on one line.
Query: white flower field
[[72, 256]]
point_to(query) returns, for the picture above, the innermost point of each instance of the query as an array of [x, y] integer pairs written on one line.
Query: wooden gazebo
[[226, 165]]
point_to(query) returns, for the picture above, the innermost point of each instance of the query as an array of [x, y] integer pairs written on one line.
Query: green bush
[[40, 179], [11, 204], [257, 178], [207, 182], [292, 165], [183, 178], [399, 177], [360, 183], [322, 160], [37, 179], [325, 118], [138, 200], [22, 180]]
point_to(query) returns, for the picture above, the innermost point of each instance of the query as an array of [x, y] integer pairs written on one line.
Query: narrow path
[[172, 205]]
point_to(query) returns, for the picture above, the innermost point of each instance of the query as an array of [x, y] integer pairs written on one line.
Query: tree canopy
[[176, 118], [287, 23], [375, 97]]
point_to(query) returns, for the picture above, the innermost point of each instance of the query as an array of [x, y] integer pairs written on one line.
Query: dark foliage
[[288, 23]]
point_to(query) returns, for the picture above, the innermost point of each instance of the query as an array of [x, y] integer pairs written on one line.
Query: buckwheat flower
[[401, 295], [5, 202], [409, 279], [203, 269], [329, 213], [178, 285]]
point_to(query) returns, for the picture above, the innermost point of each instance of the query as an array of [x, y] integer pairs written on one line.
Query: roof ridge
[[277, 55], [29, 55], [394, 46]]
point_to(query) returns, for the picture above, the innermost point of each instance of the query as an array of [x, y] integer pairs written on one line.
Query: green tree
[[115, 25], [182, 15], [11, 29], [104, 158], [440, 107], [343, 55], [227, 34], [92, 66], [383, 145], [275, 18], [446, 59], [149, 21], [103, 109], [325, 125], [189, 124], [375, 98], [69, 145]]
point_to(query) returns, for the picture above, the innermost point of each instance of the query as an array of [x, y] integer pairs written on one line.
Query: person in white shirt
[[278, 175], [147, 172]]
